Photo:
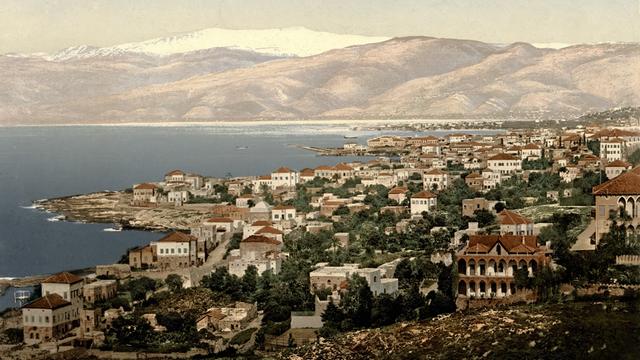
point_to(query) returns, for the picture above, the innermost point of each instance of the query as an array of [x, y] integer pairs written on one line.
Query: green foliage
[[484, 217], [538, 164], [130, 330], [174, 282], [14, 335], [139, 287], [341, 210], [242, 337], [594, 146], [634, 157]]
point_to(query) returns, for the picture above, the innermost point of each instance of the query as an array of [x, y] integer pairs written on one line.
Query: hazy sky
[[49, 25]]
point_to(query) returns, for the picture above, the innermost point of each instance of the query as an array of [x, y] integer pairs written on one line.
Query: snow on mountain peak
[[292, 41]]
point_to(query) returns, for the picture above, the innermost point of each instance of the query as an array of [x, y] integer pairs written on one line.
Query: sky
[[51, 25]]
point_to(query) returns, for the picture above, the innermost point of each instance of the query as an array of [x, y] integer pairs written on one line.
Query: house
[[423, 201], [178, 196], [435, 180], [270, 232], [176, 250], [504, 164], [512, 223], [470, 206], [620, 195], [616, 168], [487, 264], [47, 318], [143, 257], [398, 194], [284, 178], [100, 290], [387, 141], [531, 152], [612, 149], [175, 176], [307, 175], [336, 278], [228, 319], [475, 181], [145, 194], [257, 250], [261, 211], [245, 201], [69, 287], [283, 212]]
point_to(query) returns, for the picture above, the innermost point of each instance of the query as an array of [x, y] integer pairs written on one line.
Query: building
[[175, 176], [284, 178], [143, 257], [336, 278], [616, 168], [488, 263], [228, 319], [470, 206], [257, 250], [100, 290], [423, 201], [398, 194], [145, 194], [475, 181], [504, 164], [435, 180], [620, 195], [69, 287], [176, 250], [283, 212], [47, 318], [512, 223], [531, 152]]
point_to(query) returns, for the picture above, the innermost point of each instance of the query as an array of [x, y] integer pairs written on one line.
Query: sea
[[40, 162]]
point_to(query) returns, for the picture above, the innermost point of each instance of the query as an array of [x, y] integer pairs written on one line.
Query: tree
[[131, 330], [174, 282], [341, 210], [484, 217], [358, 302], [250, 280]]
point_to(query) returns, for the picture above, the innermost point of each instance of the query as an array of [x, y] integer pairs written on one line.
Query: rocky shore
[[114, 207]]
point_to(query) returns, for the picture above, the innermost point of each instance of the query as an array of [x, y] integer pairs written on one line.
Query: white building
[[284, 178], [423, 201], [504, 163], [435, 179], [336, 277], [283, 212]]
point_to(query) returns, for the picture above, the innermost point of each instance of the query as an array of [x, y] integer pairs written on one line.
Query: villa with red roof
[[423, 201], [488, 263], [512, 223], [47, 318]]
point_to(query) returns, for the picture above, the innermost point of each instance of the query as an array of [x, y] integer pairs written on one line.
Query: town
[[435, 225]]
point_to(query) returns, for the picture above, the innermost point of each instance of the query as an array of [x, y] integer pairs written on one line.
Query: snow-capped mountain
[[293, 41]]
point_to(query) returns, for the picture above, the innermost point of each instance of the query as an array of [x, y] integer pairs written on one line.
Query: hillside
[[402, 77], [560, 331]]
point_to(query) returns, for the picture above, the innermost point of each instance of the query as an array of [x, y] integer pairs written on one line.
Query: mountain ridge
[[405, 77]]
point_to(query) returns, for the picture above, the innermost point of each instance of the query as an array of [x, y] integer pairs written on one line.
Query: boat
[[116, 228], [57, 218], [242, 147], [350, 137]]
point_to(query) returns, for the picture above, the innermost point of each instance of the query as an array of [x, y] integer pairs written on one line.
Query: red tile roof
[[624, 184], [398, 190], [177, 236], [174, 172], [283, 170], [63, 278], [145, 186], [50, 302], [619, 163], [503, 156], [261, 239], [507, 217], [283, 207], [423, 195], [269, 230], [514, 244]]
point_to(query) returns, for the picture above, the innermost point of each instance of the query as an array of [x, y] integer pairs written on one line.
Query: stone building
[[145, 195], [335, 278], [176, 250], [512, 223], [423, 201], [47, 318], [143, 257], [69, 287], [488, 263], [100, 290]]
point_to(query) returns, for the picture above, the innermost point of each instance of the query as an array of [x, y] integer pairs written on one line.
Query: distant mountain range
[[266, 74]]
